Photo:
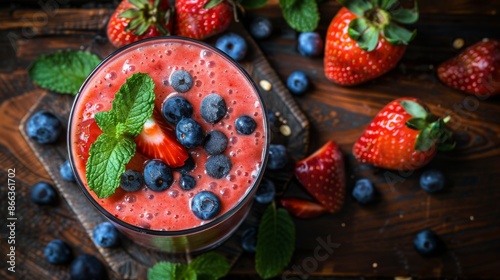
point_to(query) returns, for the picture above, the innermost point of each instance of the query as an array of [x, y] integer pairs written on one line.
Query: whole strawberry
[[200, 19], [364, 40], [134, 20], [322, 174], [476, 70], [404, 135]]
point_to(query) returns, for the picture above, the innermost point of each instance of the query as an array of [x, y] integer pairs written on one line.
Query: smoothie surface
[[212, 73]]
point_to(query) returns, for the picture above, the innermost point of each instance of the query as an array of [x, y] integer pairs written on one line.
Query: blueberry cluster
[[178, 111]]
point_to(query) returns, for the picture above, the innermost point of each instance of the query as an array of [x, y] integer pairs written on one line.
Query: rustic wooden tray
[[129, 260]]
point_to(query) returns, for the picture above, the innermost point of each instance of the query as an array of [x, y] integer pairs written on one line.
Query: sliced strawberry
[[301, 208], [157, 141], [323, 175]]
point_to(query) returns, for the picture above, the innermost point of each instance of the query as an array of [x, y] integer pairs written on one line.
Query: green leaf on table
[[301, 15], [63, 71], [132, 106], [253, 4], [210, 265], [275, 242], [163, 270]]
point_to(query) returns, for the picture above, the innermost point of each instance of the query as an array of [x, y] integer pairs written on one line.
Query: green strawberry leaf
[[212, 3], [416, 123], [424, 140], [414, 109], [275, 242], [253, 4], [301, 15], [385, 4], [366, 35], [357, 7], [108, 156], [398, 35], [63, 71], [405, 16], [210, 265]]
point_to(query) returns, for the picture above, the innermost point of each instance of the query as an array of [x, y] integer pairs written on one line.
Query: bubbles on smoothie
[[149, 216], [173, 193], [120, 207], [234, 186], [127, 67], [204, 54], [212, 185], [225, 192], [110, 76], [151, 196], [198, 83], [202, 61], [130, 198], [168, 52], [211, 64], [231, 177], [230, 91], [211, 74]]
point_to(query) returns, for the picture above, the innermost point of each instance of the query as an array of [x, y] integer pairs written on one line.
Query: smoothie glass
[[211, 69]]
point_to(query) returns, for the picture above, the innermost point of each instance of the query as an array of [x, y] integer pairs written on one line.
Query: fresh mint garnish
[[301, 15], [63, 71], [275, 242], [113, 149], [209, 266]]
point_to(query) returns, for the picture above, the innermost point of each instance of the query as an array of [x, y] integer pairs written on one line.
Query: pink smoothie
[[212, 73]]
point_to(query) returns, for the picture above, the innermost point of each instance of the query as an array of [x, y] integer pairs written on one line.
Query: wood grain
[[365, 241]]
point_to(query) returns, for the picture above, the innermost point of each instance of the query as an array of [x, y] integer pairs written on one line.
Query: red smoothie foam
[[212, 73]]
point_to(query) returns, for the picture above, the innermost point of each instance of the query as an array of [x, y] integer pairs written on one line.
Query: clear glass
[[204, 236]]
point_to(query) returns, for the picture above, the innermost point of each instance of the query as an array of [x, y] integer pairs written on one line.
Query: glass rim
[[212, 223]]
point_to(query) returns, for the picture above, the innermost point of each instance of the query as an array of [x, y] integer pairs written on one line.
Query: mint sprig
[[63, 71], [275, 242], [132, 106], [209, 266]]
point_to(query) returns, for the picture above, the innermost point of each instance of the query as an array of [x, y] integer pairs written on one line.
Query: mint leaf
[[108, 156], [163, 270], [210, 265], [132, 106], [301, 15], [63, 71], [275, 242], [252, 4]]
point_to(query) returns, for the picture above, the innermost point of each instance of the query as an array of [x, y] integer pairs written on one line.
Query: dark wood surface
[[365, 241]]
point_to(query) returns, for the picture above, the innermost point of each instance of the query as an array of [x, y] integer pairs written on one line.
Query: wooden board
[[129, 260]]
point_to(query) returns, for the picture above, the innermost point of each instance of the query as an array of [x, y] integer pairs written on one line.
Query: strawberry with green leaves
[[404, 135], [476, 70], [200, 19], [365, 40], [322, 174], [134, 20]]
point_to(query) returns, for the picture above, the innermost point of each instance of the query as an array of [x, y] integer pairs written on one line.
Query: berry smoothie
[[225, 157]]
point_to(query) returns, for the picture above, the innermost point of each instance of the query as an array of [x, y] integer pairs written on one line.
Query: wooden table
[[371, 241]]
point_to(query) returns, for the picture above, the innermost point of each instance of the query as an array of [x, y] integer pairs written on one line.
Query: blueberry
[[57, 252], [43, 193], [157, 175], [205, 205], [428, 243], [105, 235], [363, 191], [188, 166], [215, 143], [66, 172], [181, 80], [249, 240], [187, 182], [44, 127], [266, 191], [87, 267], [432, 180], [176, 108], [278, 157], [261, 27], [131, 180], [218, 166], [297, 82], [310, 44], [213, 108], [189, 133], [245, 125], [233, 45]]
